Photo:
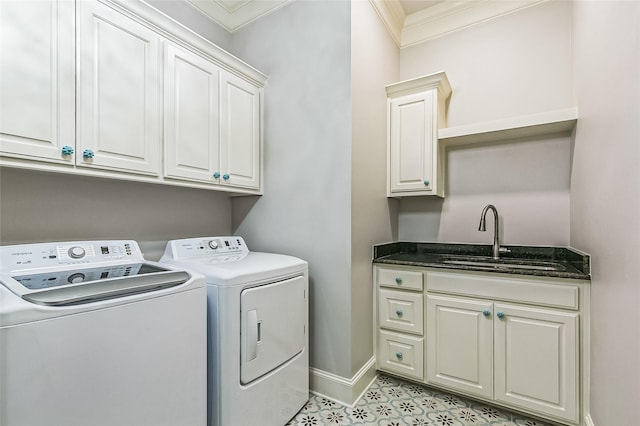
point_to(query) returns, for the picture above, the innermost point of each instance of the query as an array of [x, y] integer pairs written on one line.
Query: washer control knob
[[76, 278], [76, 252], [213, 244]]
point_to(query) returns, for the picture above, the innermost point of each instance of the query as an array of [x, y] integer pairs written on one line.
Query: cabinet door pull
[[399, 355], [486, 312], [398, 280], [399, 312], [500, 314]]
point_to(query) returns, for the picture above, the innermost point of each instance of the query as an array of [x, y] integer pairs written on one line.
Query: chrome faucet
[[483, 227]]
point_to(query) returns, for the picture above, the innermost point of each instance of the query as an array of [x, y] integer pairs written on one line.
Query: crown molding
[[235, 14], [392, 16], [441, 18], [444, 18]]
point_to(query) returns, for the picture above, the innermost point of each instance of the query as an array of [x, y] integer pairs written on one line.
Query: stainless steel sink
[[506, 264]]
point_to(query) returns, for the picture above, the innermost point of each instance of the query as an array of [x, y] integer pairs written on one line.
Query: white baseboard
[[337, 388], [588, 421]]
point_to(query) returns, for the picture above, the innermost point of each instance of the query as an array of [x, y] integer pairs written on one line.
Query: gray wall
[[37, 206], [304, 48], [514, 65], [605, 198], [374, 64]]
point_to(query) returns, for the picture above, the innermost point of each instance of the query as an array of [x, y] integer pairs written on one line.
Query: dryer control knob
[[76, 252], [213, 244]]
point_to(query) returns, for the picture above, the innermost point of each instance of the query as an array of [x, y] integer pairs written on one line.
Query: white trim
[[588, 421], [442, 18], [235, 15], [392, 16], [344, 391]]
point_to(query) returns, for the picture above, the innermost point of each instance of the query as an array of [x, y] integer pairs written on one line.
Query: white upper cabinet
[[212, 123], [416, 110], [37, 98], [118, 91], [191, 116], [239, 132]]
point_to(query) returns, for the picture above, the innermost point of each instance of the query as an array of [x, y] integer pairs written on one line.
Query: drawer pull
[[398, 280], [399, 355], [399, 312]]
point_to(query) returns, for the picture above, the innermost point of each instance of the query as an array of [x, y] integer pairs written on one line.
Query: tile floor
[[393, 402]]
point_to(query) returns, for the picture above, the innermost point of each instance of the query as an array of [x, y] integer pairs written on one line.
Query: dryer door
[[274, 322]]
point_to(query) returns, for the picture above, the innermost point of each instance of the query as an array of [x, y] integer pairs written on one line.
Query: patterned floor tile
[[393, 402]]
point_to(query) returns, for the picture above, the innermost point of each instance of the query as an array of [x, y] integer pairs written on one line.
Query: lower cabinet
[[401, 354], [460, 345], [518, 355], [515, 341]]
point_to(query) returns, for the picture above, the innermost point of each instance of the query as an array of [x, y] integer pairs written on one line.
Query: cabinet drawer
[[401, 354], [400, 310], [398, 278]]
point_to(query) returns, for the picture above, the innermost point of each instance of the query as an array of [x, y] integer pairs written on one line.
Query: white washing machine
[[92, 334], [258, 329]]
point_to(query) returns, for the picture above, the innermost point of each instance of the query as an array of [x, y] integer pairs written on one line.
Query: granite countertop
[[556, 262]]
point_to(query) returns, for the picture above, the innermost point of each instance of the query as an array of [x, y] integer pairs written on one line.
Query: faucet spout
[[483, 227]]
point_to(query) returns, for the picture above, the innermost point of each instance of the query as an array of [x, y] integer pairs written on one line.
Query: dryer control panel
[[205, 246]]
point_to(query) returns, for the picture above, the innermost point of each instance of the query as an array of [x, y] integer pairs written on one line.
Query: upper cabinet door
[[37, 89], [416, 110], [118, 91], [240, 132], [413, 132], [191, 120]]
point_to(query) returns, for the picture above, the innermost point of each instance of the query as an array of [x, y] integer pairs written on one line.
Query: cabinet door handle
[[67, 150], [225, 176], [426, 183], [486, 312], [216, 175], [399, 355], [399, 312], [87, 154], [500, 314], [398, 280]]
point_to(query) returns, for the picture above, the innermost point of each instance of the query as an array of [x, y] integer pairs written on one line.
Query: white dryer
[[92, 334], [258, 361]]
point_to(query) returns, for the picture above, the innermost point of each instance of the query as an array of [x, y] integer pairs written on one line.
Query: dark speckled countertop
[[558, 262]]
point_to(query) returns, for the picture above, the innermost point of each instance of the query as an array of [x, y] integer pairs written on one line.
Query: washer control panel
[[205, 246], [43, 255]]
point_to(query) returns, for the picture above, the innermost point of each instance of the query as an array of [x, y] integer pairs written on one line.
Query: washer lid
[[254, 267], [80, 286]]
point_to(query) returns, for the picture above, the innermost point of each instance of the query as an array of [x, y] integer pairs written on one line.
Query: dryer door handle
[[252, 335]]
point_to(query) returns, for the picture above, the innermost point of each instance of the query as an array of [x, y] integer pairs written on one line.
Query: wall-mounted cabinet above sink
[[416, 109], [417, 136]]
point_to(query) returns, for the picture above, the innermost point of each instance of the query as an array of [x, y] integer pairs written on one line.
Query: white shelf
[[554, 122]]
